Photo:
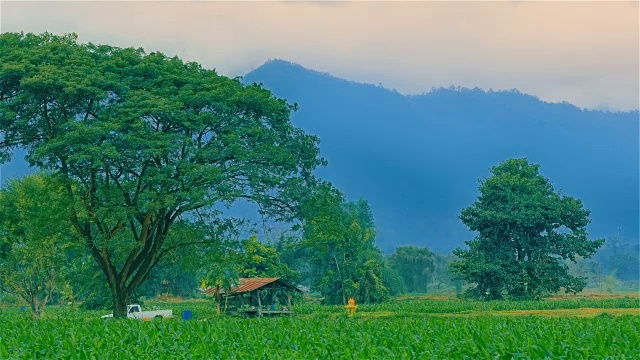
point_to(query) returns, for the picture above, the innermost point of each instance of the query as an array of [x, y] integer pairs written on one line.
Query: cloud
[[582, 52]]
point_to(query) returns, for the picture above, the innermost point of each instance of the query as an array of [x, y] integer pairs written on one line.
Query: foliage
[[85, 283], [443, 278], [221, 274], [524, 229], [35, 239], [620, 257], [415, 265], [344, 261], [294, 255], [174, 275], [589, 269], [392, 281], [143, 142], [261, 260], [609, 283]]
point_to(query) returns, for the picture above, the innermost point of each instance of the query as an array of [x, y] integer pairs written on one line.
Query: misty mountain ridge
[[417, 159], [278, 64]]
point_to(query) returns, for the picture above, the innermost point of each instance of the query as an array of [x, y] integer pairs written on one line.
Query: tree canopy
[[524, 229], [262, 260], [143, 141]]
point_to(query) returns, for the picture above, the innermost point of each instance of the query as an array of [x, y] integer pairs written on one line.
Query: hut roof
[[250, 284]]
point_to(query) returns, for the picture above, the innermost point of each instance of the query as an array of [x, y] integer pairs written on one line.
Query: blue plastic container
[[187, 314], [23, 308]]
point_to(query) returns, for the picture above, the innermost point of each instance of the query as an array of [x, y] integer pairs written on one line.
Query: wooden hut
[[258, 297]]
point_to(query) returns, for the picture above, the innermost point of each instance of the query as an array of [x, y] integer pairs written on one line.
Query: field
[[410, 328]]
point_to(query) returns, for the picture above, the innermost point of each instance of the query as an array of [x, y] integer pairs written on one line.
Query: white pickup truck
[[134, 311]]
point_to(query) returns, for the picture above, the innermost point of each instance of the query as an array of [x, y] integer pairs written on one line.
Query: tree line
[[335, 254]]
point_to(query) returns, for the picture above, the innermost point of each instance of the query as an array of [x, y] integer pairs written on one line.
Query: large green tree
[[35, 238], [415, 265], [142, 142], [525, 229]]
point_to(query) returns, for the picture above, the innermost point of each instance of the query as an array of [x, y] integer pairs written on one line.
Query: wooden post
[[273, 297], [259, 303], [289, 301]]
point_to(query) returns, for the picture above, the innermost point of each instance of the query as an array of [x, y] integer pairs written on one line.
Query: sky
[[585, 53]]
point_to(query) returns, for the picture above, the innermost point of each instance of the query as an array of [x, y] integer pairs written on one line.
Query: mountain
[[417, 159]]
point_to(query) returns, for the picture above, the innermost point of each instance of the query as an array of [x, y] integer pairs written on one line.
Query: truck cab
[[134, 311]]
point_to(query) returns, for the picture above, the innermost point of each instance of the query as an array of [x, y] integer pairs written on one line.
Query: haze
[[585, 53]]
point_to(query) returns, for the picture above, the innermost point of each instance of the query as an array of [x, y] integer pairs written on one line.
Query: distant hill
[[417, 159]]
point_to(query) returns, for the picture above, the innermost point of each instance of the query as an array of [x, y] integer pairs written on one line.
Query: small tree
[[344, 259], [222, 276], [415, 265], [524, 230], [34, 236]]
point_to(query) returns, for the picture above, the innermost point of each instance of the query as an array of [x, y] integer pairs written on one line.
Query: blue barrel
[[187, 314], [23, 308]]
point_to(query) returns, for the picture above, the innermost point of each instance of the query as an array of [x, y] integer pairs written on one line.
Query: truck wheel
[[159, 317]]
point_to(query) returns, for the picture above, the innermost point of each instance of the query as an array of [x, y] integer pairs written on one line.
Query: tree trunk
[[140, 260], [120, 302], [124, 283], [344, 297], [218, 301], [226, 301], [35, 302], [36, 308]]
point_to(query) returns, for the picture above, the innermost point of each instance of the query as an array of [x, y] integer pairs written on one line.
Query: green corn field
[[394, 330]]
